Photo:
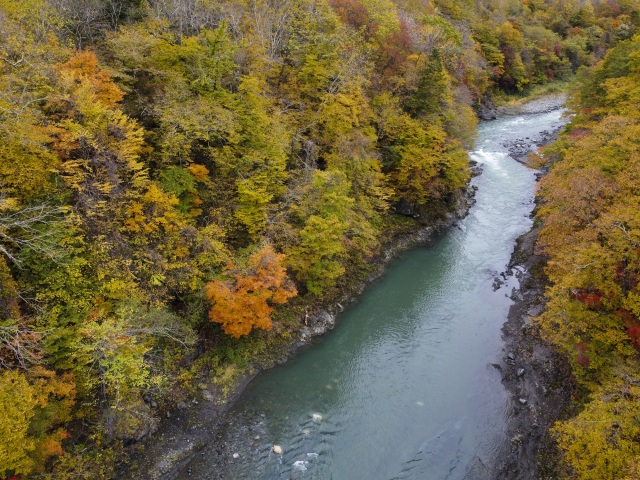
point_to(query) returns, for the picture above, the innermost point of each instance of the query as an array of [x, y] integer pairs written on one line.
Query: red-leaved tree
[[244, 299]]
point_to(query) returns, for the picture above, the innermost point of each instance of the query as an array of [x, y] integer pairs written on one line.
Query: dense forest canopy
[[590, 213], [181, 180]]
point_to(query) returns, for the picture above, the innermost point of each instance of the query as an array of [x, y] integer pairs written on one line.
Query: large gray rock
[[486, 110]]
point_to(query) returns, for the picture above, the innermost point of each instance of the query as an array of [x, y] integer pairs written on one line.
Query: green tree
[[327, 208], [432, 91]]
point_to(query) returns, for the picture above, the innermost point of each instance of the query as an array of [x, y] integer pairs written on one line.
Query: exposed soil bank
[[542, 104]]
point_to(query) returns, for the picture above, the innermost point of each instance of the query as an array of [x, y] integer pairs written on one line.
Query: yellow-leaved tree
[[32, 405]]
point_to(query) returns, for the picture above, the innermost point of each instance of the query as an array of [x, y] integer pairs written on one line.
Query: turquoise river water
[[403, 387]]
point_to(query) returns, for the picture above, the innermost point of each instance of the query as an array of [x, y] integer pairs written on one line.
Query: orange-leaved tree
[[244, 299]]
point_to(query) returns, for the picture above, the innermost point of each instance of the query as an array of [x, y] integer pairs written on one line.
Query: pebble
[[523, 401], [316, 417], [277, 449], [236, 455]]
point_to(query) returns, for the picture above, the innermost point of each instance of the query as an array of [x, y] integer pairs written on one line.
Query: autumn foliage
[[144, 145], [589, 212], [244, 300]]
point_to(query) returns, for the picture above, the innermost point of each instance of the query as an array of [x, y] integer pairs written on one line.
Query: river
[[403, 387]]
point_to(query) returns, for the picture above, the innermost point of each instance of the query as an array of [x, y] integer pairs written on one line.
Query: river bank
[[520, 148], [538, 379], [195, 422]]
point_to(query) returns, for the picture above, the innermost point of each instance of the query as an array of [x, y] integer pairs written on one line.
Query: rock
[[277, 449], [154, 404], [476, 170], [316, 417], [236, 455], [520, 372], [181, 405], [257, 437], [321, 322], [523, 401], [487, 110], [403, 207], [300, 465], [511, 356], [207, 395]]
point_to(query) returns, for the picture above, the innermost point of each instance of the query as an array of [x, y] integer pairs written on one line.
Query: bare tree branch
[[35, 228], [22, 343]]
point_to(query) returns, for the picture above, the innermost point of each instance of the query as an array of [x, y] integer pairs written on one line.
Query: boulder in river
[[300, 465], [277, 449]]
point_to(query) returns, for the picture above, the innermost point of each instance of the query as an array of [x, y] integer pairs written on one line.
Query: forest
[[182, 181], [590, 213]]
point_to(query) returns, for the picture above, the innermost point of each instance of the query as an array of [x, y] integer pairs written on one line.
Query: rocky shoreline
[[520, 148], [538, 379]]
